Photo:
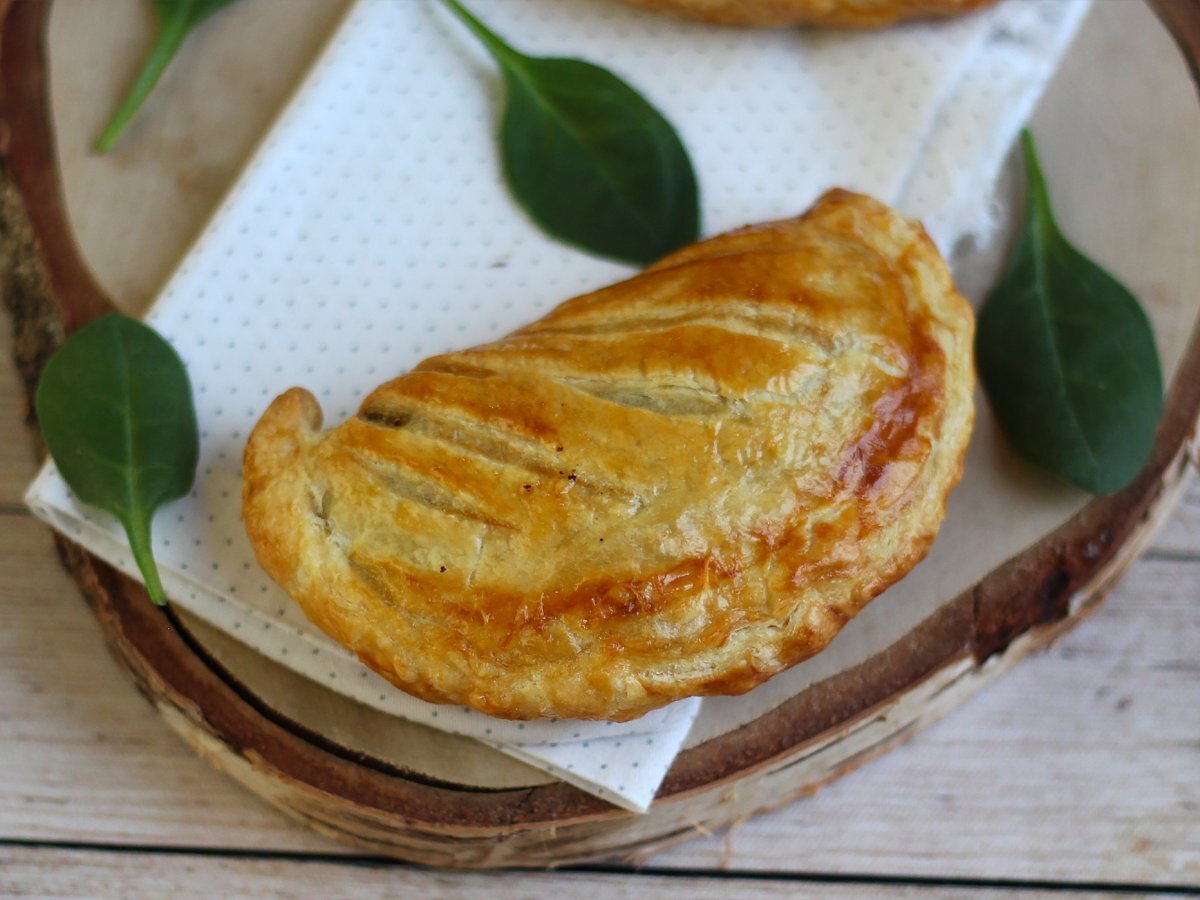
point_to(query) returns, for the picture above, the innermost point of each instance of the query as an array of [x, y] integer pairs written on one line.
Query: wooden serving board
[[1122, 146]]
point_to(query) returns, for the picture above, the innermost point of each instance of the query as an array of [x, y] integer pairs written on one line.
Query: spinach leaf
[[1067, 356], [590, 160], [176, 18], [115, 408]]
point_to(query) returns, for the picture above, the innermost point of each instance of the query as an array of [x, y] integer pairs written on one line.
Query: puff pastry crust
[[678, 485], [824, 13]]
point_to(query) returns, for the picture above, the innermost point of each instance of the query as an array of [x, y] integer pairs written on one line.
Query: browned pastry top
[[678, 485], [825, 13]]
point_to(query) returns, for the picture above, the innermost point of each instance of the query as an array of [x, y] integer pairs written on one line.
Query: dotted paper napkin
[[372, 230]]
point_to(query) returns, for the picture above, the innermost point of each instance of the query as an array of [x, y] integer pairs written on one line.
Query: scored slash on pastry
[[679, 485]]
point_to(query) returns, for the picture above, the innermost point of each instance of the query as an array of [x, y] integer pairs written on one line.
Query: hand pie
[[678, 485], [827, 13]]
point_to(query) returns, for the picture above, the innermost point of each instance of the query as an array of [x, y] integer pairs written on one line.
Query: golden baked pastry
[[826, 13], [678, 485]]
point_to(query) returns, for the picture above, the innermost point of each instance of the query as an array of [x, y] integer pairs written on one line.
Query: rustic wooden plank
[[1081, 764], [81, 754], [52, 872], [1180, 536]]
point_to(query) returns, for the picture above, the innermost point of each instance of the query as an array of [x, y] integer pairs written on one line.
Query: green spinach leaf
[[1067, 356], [115, 409], [176, 18], [590, 160]]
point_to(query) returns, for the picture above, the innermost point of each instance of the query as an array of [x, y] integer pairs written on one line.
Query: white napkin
[[372, 229]]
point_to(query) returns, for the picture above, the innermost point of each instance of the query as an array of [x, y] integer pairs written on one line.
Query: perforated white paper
[[372, 229]]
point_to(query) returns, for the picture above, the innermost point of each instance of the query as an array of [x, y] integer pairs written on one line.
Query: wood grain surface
[[40, 872]]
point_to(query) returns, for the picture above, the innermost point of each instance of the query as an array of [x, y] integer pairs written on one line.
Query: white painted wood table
[[1078, 772]]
